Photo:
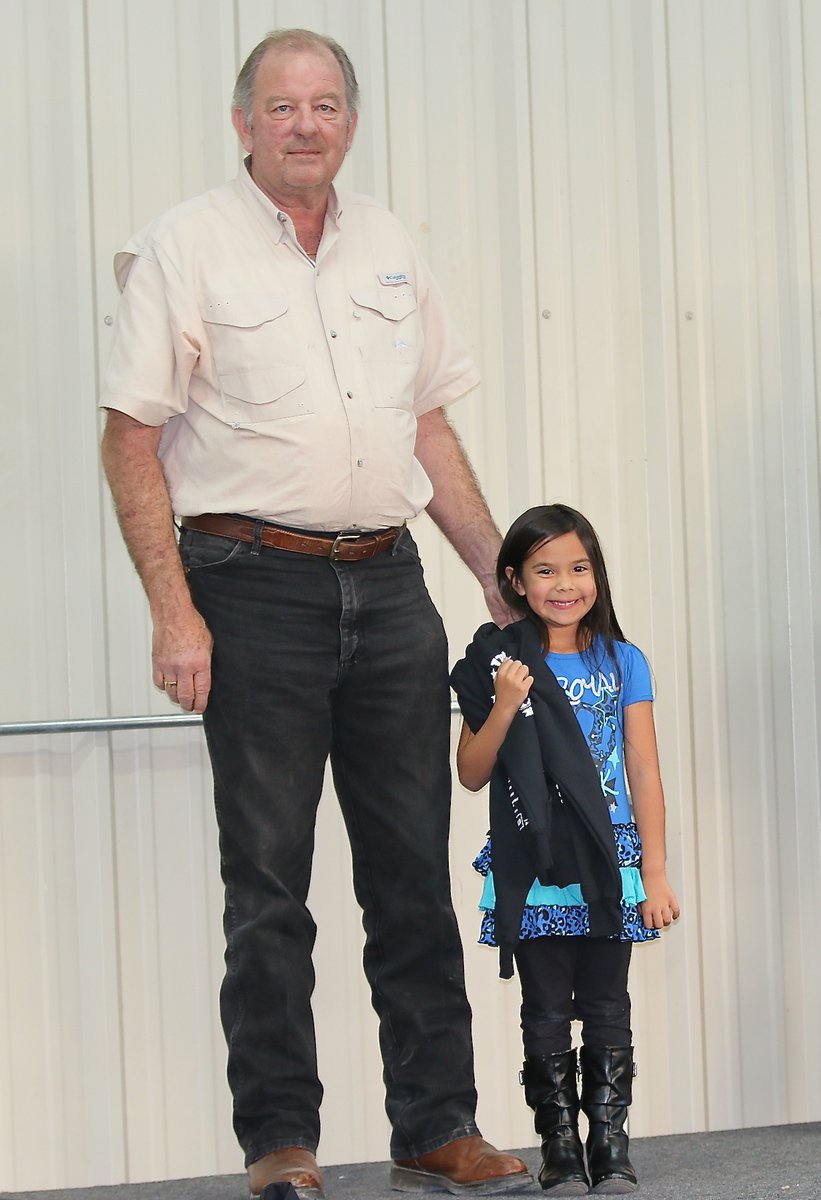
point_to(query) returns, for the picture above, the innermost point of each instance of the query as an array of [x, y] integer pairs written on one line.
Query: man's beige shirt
[[287, 390]]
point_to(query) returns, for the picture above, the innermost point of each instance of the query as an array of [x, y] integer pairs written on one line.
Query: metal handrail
[[107, 724], [100, 724]]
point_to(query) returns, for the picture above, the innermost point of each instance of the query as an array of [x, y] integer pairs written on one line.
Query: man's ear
[[351, 131], [244, 132]]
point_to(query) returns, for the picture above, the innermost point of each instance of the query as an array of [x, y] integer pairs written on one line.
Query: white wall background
[[622, 201]]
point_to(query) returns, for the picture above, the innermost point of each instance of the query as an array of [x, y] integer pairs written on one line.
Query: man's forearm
[[458, 506], [143, 506], [181, 650]]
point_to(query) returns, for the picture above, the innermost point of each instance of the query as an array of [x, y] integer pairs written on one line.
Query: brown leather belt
[[345, 547]]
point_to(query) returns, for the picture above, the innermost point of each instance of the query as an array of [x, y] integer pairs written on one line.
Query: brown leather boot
[[294, 1165], [468, 1164]]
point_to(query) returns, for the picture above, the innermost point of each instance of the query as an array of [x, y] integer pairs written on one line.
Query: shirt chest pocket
[[255, 357], [388, 335]]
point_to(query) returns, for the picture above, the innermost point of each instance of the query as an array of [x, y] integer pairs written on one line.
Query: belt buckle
[[342, 537]]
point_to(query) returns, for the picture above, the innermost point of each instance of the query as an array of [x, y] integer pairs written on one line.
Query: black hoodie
[[548, 815]]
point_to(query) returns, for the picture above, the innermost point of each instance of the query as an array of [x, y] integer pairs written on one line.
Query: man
[[277, 379]]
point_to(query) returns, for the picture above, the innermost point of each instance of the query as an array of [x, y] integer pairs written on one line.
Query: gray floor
[[749, 1164]]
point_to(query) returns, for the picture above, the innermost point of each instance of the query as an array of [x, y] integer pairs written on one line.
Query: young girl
[[558, 717]]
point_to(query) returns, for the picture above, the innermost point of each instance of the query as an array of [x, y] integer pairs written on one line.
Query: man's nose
[[305, 121]]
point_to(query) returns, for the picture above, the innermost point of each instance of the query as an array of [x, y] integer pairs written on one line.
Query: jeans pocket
[[406, 547], [201, 550]]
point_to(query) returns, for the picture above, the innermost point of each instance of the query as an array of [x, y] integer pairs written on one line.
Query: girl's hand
[[660, 908], [512, 684]]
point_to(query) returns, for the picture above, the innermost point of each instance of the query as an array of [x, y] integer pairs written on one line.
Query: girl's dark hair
[[530, 531]]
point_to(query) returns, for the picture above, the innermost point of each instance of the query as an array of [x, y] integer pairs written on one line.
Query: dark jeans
[[311, 659], [573, 978]]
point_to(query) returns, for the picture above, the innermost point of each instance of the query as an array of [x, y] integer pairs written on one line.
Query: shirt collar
[[271, 214]]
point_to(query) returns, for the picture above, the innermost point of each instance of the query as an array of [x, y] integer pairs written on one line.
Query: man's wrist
[[171, 603]]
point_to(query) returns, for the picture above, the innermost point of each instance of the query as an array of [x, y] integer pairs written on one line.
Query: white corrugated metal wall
[[622, 201]]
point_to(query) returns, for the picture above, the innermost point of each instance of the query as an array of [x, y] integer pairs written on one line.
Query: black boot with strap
[[607, 1092], [550, 1090]]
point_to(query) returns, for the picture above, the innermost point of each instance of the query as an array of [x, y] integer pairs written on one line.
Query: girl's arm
[[476, 753], [641, 763]]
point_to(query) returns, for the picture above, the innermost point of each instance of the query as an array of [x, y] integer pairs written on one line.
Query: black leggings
[[573, 978]]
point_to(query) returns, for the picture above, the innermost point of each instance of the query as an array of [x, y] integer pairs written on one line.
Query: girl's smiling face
[[558, 583]]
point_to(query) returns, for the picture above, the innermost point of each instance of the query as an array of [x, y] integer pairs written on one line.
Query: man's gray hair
[[291, 39]]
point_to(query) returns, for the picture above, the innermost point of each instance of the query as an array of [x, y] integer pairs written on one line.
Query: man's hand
[[181, 656], [502, 615]]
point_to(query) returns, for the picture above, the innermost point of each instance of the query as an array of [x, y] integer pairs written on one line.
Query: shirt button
[[349, 395], [360, 462], [332, 332]]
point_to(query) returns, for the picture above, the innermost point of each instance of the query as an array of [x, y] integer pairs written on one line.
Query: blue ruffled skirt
[[562, 912]]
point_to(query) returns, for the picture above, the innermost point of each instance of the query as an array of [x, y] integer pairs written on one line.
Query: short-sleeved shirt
[[599, 689], [288, 390]]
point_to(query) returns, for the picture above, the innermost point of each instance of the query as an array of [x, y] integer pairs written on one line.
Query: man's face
[[300, 128]]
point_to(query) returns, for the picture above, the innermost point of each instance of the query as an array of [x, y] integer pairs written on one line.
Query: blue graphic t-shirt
[[599, 689], [591, 684]]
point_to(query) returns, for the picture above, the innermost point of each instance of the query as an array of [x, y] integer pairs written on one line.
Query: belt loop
[[257, 542]]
